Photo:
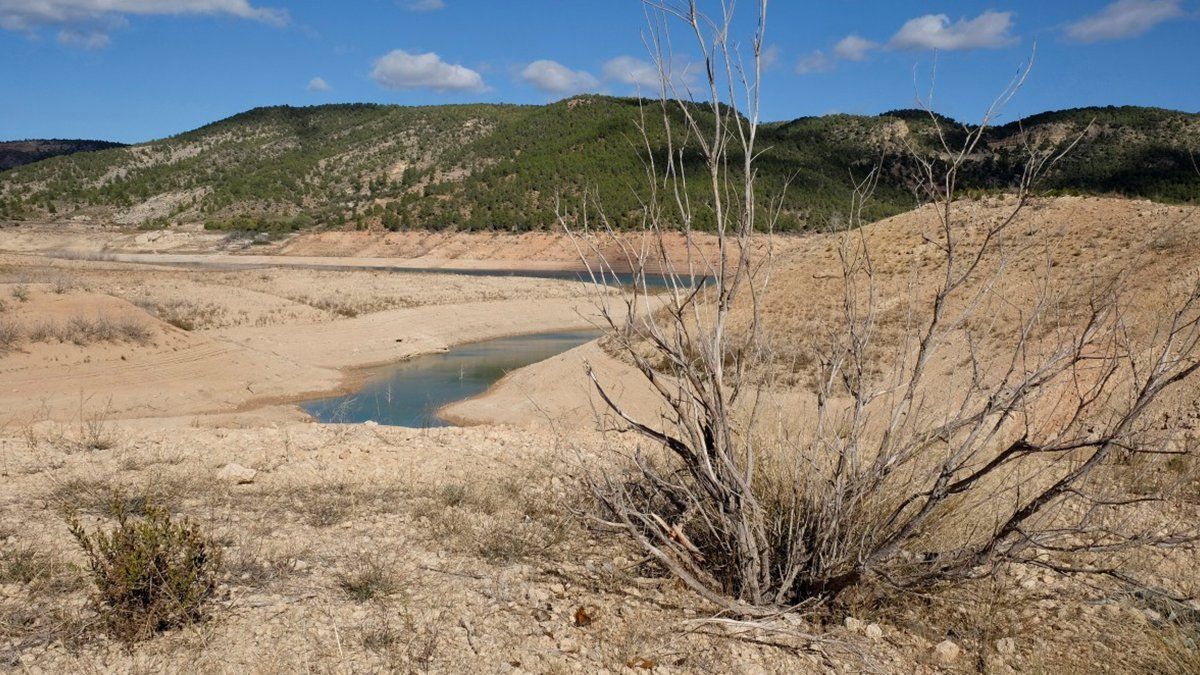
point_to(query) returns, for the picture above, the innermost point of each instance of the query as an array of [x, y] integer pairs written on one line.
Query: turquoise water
[[410, 393]]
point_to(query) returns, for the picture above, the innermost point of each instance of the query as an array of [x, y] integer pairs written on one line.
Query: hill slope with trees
[[488, 166], [18, 153]]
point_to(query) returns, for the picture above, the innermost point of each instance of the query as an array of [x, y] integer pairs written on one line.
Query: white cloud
[[632, 71], [934, 31], [643, 75], [816, 62], [399, 69], [770, 56], [424, 5], [318, 84], [87, 22], [84, 39], [1124, 19], [555, 78], [854, 48]]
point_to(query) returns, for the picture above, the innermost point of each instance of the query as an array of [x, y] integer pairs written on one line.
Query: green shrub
[[151, 574]]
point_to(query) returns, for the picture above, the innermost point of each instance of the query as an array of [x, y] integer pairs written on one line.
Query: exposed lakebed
[[410, 393]]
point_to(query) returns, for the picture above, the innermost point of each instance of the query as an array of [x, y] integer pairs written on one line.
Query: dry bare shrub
[[10, 335], [984, 432], [62, 285], [43, 331], [20, 292], [185, 314], [334, 307], [150, 574], [82, 331]]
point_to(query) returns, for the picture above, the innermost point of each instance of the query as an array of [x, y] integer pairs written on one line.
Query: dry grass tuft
[[409, 647], [38, 571], [254, 570], [100, 497], [327, 505], [499, 521], [368, 579]]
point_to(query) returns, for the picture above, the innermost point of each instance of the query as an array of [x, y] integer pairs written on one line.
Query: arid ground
[[168, 365]]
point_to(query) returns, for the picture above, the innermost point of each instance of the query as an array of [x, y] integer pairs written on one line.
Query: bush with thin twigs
[[185, 314], [929, 459], [20, 292], [150, 574], [62, 285], [82, 331], [95, 432], [10, 335], [43, 331]]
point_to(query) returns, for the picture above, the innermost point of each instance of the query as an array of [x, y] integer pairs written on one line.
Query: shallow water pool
[[410, 393]]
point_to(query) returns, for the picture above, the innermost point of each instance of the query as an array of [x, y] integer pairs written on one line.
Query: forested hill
[[503, 166], [16, 153]]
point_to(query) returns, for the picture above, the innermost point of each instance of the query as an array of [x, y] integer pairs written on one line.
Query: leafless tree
[[984, 430]]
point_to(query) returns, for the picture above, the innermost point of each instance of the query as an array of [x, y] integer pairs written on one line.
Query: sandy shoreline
[[294, 334]]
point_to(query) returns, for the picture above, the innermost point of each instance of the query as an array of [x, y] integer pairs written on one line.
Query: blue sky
[[133, 70]]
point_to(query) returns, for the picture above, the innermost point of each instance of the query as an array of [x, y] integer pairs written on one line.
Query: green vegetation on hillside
[[17, 153], [504, 166]]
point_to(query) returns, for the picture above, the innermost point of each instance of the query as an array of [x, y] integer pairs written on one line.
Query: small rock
[[853, 624], [568, 645], [946, 651], [1006, 646], [299, 565], [237, 474], [874, 631]]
